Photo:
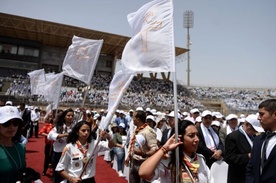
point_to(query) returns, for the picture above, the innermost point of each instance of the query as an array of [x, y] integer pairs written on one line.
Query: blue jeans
[[120, 153]]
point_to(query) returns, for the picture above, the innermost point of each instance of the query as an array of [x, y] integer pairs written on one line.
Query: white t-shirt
[[72, 160]]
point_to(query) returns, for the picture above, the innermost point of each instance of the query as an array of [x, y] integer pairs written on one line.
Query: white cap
[[122, 125], [88, 111], [153, 111], [206, 113], [218, 115], [188, 118], [231, 116], [148, 109], [96, 116], [131, 110], [7, 113], [151, 117], [185, 114], [139, 109], [194, 110], [216, 123], [8, 103], [253, 120], [102, 110], [242, 116], [198, 119], [172, 115]]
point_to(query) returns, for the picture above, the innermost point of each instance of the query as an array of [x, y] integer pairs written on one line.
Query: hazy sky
[[233, 42]]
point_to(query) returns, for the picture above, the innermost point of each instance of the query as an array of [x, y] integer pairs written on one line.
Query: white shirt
[[60, 143], [72, 160]]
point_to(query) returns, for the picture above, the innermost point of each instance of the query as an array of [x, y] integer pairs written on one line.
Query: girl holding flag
[[193, 168], [78, 160]]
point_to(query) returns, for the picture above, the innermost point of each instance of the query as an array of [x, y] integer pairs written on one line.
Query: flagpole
[[176, 127]]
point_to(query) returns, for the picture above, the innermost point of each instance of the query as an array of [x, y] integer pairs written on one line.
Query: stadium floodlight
[[188, 23]]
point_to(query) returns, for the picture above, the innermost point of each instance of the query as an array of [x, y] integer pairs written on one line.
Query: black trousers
[[56, 178], [48, 152]]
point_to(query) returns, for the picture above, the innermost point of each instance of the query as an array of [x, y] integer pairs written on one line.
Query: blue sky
[[233, 42]]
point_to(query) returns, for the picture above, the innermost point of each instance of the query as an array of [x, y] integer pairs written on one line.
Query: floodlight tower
[[188, 23]]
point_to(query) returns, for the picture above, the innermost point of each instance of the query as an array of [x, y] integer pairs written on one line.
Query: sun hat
[[253, 120], [7, 113]]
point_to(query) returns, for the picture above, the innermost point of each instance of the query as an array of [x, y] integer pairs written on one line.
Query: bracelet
[[164, 149]]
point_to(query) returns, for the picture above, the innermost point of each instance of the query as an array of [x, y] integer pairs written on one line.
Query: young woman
[[78, 152], [59, 134], [119, 139], [192, 165], [12, 153]]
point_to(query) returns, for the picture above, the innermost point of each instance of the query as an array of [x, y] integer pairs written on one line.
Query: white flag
[[42, 84], [52, 89], [81, 58], [118, 86], [152, 46], [36, 77]]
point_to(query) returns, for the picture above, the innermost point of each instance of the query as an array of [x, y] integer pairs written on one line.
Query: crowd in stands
[[147, 92], [240, 99]]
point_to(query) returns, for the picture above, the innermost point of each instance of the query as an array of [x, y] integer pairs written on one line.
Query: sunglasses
[[13, 122]]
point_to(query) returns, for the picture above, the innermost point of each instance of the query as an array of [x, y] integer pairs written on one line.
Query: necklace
[[7, 152]]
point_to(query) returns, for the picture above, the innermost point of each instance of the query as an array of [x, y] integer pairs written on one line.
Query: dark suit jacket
[[204, 150], [165, 136], [253, 168], [26, 116], [236, 155]]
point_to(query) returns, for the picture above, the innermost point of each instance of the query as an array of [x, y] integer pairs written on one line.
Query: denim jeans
[[120, 153]]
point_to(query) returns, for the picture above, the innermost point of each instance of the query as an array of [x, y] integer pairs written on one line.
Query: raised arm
[[148, 167]]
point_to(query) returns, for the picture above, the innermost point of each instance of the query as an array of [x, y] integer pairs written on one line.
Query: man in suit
[[26, 116], [210, 145], [167, 133], [238, 145], [261, 166], [231, 125]]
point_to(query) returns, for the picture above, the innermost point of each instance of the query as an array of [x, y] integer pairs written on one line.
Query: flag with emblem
[[151, 49], [81, 58]]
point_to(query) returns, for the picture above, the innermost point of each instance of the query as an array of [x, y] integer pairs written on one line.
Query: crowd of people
[[141, 143], [154, 93]]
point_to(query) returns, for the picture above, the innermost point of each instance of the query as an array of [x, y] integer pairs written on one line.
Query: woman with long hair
[[78, 162], [63, 125], [192, 166]]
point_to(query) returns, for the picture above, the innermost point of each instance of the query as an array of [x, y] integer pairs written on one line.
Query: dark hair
[[141, 115], [269, 105], [60, 120], [74, 134], [182, 125]]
